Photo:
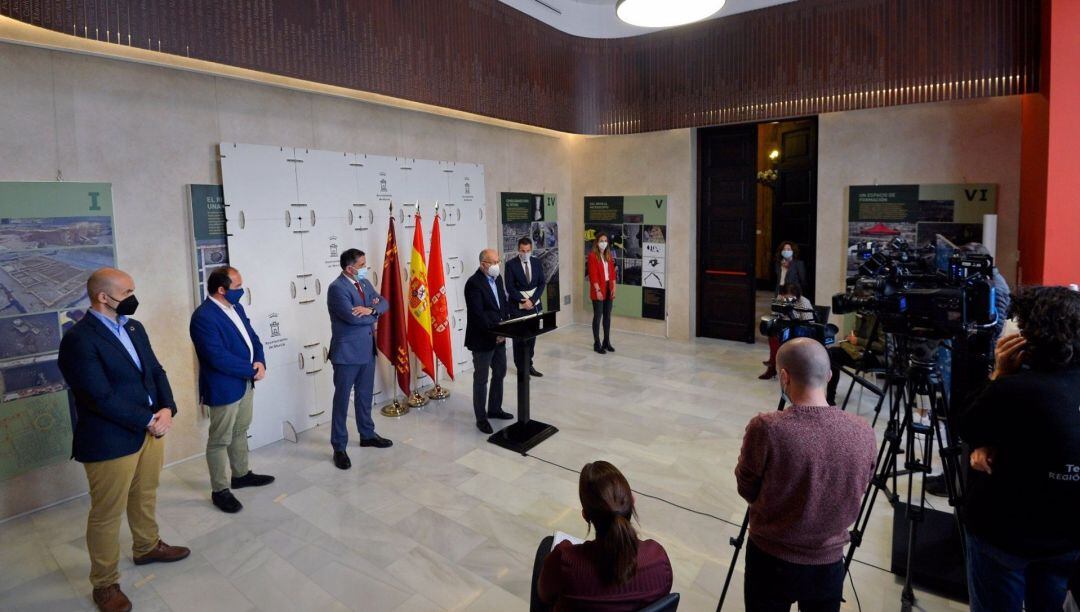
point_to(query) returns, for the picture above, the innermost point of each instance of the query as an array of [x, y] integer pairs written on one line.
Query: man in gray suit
[[354, 307]]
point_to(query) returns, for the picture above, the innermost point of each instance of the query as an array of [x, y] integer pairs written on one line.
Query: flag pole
[[438, 392], [417, 399], [395, 408]]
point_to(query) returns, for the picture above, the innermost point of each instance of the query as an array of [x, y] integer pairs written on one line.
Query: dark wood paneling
[[481, 56]]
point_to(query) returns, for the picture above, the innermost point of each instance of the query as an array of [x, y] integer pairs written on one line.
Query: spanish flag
[[420, 304]]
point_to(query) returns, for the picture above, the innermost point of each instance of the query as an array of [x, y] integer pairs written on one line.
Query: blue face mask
[[787, 254], [361, 274], [233, 296]]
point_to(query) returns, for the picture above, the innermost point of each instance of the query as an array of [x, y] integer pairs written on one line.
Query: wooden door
[[727, 169], [795, 204]]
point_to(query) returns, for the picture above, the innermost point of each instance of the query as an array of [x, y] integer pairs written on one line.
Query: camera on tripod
[[788, 321], [936, 290]]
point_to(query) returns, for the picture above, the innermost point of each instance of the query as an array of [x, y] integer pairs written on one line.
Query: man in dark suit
[[487, 306], [354, 307], [123, 409], [525, 285], [230, 361]]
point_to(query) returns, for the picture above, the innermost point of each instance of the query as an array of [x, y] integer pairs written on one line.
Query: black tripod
[[738, 540], [921, 378]]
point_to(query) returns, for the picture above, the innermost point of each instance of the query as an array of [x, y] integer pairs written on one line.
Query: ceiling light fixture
[[665, 13]]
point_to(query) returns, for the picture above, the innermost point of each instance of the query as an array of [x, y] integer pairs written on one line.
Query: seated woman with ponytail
[[613, 572]]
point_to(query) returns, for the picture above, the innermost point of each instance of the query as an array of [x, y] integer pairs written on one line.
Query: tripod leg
[[737, 542]]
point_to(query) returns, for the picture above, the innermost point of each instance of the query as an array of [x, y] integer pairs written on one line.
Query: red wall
[[1049, 204], [1063, 159]]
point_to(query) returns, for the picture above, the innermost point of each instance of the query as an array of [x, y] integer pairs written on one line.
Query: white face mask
[[525, 256], [493, 270], [603, 246], [787, 254]]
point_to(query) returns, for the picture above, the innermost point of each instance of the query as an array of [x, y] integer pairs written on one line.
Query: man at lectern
[[525, 285], [487, 304], [354, 307], [231, 361]]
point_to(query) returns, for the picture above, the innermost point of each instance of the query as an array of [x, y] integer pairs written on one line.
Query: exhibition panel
[[291, 213]]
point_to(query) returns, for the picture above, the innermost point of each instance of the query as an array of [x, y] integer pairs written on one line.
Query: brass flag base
[[438, 393], [394, 409], [416, 400]]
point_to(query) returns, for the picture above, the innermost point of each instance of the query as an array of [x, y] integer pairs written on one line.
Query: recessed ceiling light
[[665, 13]]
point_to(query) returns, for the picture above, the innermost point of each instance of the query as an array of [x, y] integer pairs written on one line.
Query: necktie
[[357, 285], [528, 272]]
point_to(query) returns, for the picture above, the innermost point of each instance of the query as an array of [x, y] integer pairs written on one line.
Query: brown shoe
[[111, 599], [163, 553]]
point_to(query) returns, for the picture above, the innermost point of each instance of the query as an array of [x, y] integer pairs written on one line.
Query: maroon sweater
[[570, 581], [804, 472]]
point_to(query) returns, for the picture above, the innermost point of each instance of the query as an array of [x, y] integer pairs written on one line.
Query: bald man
[[485, 299], [804, 471], [123, 410]]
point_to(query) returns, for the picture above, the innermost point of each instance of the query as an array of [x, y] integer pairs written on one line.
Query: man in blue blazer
[[123, 409], [487, 306], [525, 285], [354, 307], [230, 361]]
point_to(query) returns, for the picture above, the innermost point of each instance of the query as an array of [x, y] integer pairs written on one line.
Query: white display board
[[290, 213]]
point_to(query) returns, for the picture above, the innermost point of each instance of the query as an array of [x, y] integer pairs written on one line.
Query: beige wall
[[975, 141], [656, 163], [151, 131]]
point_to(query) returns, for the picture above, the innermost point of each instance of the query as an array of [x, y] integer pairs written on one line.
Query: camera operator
[[1023, 501], [864, 345], [803, 470], [802, 310]]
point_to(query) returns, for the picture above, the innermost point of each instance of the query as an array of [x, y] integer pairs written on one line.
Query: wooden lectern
[[525, 433]]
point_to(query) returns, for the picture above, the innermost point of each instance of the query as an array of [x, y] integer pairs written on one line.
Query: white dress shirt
[[235, 318]]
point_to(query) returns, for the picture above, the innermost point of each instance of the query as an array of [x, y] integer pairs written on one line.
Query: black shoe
[[225, 500], [500, 415], [484, 427], [251, 479], [608, 347], [377, 442], [598, 349], [534, 372], [341, 460], [935, 485]]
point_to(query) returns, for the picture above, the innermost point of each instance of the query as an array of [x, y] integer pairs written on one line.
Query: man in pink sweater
[[803, 470]]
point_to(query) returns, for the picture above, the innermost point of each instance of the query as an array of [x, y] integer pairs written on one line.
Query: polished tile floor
[[446, 521]]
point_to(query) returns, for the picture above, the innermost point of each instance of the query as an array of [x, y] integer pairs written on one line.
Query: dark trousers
[[523, 353], [360, 380], [774, 584], [542, 551], [601, 309], [838, 358], [998, 580], [483, 362]]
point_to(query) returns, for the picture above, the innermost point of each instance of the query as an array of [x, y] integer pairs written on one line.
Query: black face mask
[[126, 307]]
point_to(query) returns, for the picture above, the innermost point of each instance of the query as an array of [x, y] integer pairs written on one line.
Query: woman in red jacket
[[601, 290]]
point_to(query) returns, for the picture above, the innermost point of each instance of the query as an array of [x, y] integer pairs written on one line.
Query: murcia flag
[[440, 312], [390, 336]]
